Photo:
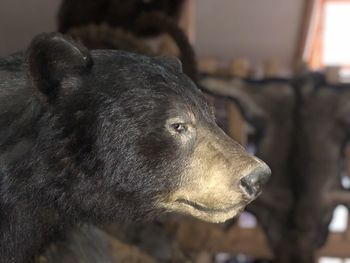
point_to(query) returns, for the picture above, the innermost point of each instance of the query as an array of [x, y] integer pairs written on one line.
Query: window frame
[[312, 41]]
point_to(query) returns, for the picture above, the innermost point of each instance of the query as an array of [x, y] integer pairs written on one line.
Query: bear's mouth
[[206, 209]]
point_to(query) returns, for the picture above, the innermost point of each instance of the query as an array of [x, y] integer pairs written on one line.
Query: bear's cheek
[[207, 189]]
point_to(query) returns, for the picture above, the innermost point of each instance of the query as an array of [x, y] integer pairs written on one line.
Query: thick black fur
[[82, 139]]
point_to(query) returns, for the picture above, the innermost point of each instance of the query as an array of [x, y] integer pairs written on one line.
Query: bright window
[[333, 260], [339, 221], [328, 38], [330, 260], [336, 35]]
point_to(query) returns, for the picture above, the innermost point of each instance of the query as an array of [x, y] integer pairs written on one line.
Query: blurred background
[[277, 72], [257, 30]]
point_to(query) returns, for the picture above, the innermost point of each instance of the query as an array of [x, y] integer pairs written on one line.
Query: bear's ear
[[172, 62], [51, 58]]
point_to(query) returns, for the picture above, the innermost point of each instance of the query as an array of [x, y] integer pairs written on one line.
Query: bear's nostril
[[252, 183]]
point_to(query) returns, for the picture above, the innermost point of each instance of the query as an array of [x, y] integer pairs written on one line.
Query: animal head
[[139, 135]]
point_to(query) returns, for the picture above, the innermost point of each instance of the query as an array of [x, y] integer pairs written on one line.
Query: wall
[[256, 29], [20, 20]]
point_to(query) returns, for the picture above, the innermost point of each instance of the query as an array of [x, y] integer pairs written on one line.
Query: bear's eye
[[179, 127]]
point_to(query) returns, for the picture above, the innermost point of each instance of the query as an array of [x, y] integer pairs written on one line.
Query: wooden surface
[[196, 236]]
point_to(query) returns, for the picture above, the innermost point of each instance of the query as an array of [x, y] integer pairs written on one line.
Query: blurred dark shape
[[117, 24], [322, 129], [303, 136], [116, 13], [89, 244], [269, 105]]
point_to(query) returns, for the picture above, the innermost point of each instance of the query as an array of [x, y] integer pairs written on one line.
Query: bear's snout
[[220, 179], [252, 183]]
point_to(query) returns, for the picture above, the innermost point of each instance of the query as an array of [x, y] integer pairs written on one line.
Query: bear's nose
[[252, 183]]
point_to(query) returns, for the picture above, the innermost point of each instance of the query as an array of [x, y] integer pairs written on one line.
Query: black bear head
[[133, 136]]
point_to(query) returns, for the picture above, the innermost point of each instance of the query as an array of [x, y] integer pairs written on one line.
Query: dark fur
[[269, 106], [117, 13], [106, 37], [136, 18], [86, 244], [304, 132], [82, 139]]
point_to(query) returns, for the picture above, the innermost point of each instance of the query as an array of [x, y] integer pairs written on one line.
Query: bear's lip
[[205, 209]]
